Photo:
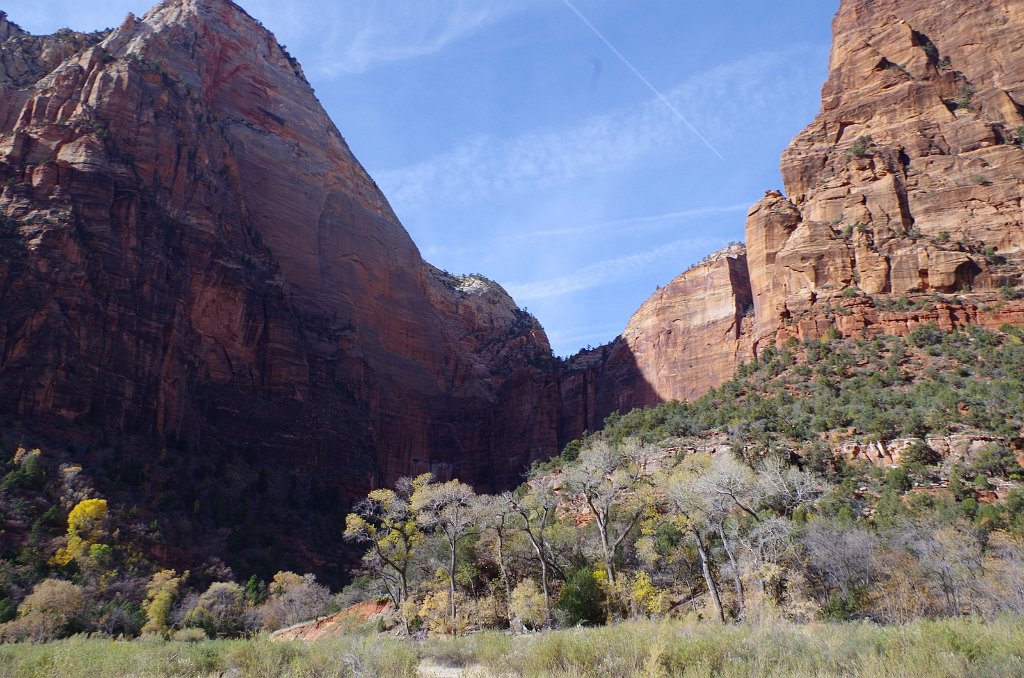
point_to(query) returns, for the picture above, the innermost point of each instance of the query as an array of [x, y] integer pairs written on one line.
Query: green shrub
[[863, 147], [581, 600]]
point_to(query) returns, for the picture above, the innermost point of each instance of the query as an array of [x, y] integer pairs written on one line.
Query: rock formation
[[909, 182], [192, 260], [198, 278], [903, 206]]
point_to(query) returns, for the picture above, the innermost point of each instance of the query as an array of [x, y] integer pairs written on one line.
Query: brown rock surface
[[191, 258], [909, 181], [688, 337], [904, 208]]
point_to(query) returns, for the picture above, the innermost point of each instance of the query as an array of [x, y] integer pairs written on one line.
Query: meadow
[[947, 647]]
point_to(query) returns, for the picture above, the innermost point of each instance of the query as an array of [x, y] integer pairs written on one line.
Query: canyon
[[198, 275]]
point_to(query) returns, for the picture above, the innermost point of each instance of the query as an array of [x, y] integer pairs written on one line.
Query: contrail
[[644, 80]]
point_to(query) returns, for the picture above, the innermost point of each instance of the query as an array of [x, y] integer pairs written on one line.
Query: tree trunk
[[451, 581], [736, 581], [538, 547], [705, 566], [504, 576]]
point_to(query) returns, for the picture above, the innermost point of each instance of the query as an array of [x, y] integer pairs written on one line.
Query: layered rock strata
[[191, 259], [902, 206], [910, 181]]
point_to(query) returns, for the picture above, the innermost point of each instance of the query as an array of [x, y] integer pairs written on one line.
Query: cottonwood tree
[[613, 481], [161, 592], [498, 517], [87, 526], [535, 509], [696, 513], [723, 488], [386, 522], [451, 510]]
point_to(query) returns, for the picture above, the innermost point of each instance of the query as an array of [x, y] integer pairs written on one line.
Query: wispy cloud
[[636, 222], [724, 101], [629, 64], [609, 270], [353, 37]]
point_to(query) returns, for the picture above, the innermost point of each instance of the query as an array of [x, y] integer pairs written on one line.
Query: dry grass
[[953, 647]]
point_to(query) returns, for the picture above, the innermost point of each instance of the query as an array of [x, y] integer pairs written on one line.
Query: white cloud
[[722, 103], [609, 270], [353, 37], [636, 222]]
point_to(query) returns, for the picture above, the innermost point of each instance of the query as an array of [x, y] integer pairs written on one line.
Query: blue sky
[[579, 152]]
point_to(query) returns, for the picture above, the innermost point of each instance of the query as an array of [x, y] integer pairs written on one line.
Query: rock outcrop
[[903, 206], [909, 182]]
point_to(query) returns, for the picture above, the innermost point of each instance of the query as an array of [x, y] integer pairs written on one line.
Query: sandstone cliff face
[[903, 207], [192, 257], [909, 182]]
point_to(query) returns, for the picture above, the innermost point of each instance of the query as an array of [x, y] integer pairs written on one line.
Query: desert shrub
[[55, 609], [527, 604], [863, 147], [189, 635], [919, 453], [220, 610], [435, 611], [996, 459], [293, 599]]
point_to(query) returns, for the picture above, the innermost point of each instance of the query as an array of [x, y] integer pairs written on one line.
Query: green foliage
[[926, 335], [978, 383], [920, 454], [582, 599], [863, 147], [345, 657], [1011, 293], [996, 459], [29, 473], [255, 590], [898, 479]]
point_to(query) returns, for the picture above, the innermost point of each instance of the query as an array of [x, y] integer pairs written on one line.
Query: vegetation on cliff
[[830, 480]]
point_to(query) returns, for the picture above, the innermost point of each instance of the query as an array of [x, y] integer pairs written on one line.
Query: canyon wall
[[192, 262], [902, 206], [197, 274]]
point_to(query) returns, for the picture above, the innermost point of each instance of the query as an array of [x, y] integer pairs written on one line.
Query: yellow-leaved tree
[[386, 522], [86, 530], [160, 595]]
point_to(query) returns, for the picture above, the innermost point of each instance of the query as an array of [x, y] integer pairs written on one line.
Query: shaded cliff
[[192, 262]]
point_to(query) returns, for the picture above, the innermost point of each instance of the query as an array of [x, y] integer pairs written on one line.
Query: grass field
[[929, 648]]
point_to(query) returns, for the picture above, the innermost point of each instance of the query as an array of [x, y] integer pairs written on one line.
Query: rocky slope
[[192, 260]]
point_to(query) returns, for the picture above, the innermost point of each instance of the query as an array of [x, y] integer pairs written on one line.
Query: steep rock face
[[684, 340], [192, 257], [904, 208], [909, 181], [688, 337]]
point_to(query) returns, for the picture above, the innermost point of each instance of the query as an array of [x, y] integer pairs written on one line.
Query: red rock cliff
[[904, 207], [191, 257], [909, 182]]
